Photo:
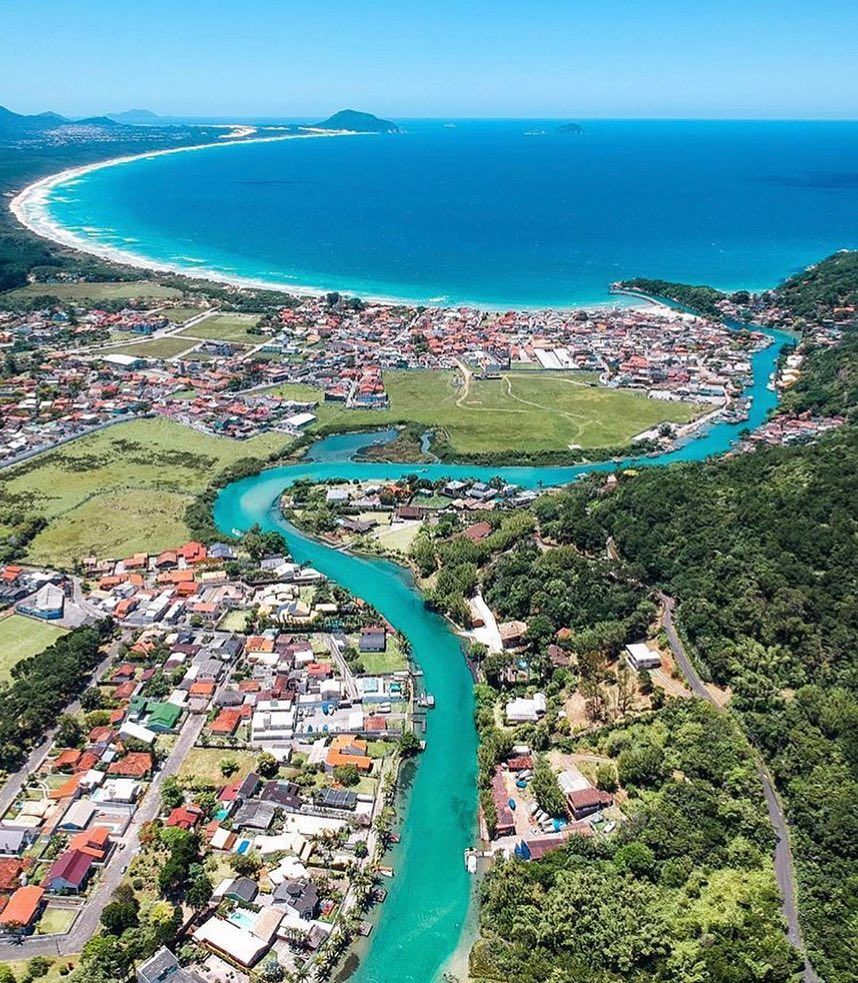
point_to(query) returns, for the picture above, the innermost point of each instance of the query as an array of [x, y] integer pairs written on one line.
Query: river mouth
[[428, 922]]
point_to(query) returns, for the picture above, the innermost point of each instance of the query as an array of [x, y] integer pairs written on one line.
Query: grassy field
[[156, 347], [204, 764], [19, 968], [98, 291], [180, 314], [22, 637], [522, 411], [226, 327], [133, 481]]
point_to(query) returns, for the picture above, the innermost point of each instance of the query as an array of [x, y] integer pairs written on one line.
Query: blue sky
[[566, 58]]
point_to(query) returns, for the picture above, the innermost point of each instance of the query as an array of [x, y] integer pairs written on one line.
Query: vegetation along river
[[428, 906]]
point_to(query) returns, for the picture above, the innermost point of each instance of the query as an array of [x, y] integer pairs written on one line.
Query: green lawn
[[98, 291], [226, 327], [391, 660], [522, 411], [133, 480], [234, 621], [204, 765], [22, 637], [56, 921]]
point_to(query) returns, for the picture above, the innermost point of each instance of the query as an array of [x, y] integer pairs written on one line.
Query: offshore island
[[319, 612]]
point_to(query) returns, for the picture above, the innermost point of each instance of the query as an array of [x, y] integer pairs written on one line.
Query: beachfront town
[[235, 755], [67, 369]]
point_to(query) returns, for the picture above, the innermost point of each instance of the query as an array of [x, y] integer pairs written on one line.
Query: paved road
[[127, 847], [783, 862]]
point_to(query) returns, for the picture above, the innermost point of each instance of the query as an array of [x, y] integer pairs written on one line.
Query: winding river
[[428, 913]]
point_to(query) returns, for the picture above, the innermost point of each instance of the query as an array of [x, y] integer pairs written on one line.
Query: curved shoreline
[[30, 208]]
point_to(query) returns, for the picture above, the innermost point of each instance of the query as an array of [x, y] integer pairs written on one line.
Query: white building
[[640, 656], [526, 709]]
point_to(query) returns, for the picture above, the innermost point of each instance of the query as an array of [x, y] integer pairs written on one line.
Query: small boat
[[426, 700], [386, 871], [472, 863]]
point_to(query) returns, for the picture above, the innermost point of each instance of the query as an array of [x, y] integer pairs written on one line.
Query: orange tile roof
[[66, 759], [135, 764], [22, 906], [67, 788], [93, 842]]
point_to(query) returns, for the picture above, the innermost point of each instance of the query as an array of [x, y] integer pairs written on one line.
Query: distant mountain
[[12, 123], [575, 128], [355, 122], [19, 125], [134, 116]]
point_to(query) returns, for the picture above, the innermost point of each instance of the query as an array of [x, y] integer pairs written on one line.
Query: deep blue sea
[[484, 211]]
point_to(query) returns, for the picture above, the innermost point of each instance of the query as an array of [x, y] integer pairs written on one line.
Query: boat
[[426, 700], [386, 871], [472, 863]]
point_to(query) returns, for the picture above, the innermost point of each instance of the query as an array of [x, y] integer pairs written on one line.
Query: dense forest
[[683, 892]]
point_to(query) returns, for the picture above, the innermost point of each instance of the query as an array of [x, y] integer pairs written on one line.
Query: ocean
[[495, 212]]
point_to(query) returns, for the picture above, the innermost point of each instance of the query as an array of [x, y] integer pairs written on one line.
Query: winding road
[[783, 862]]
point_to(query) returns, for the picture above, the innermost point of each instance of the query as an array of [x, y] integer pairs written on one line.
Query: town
[[70, 368], [237, 750]]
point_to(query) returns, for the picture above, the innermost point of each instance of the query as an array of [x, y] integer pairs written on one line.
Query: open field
[[135, 480], [204, 764], [22, 637], [226, 327], [180, 314], [521, 411], [156, 347], [98, 291]]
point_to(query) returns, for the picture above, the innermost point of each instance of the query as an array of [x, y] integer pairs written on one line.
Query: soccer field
[[22, 637]]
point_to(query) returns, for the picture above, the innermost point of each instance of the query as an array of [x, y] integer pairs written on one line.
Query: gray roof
[[299, 894]]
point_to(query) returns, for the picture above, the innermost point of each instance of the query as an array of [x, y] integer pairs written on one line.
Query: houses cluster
[[65, 397], [266, 666], [226, 414], [790, 429], [523, 828]]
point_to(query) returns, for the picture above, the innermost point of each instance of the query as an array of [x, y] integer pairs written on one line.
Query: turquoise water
[[483, 212], [428, 906]]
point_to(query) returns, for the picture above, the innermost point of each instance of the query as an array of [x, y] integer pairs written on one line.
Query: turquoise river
[[428, 914]]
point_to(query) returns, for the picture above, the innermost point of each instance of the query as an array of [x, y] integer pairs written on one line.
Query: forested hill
[[357, 122], [826, 291], [700, 298]]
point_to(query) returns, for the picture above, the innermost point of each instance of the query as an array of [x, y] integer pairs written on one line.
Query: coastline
[[30, 208]]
